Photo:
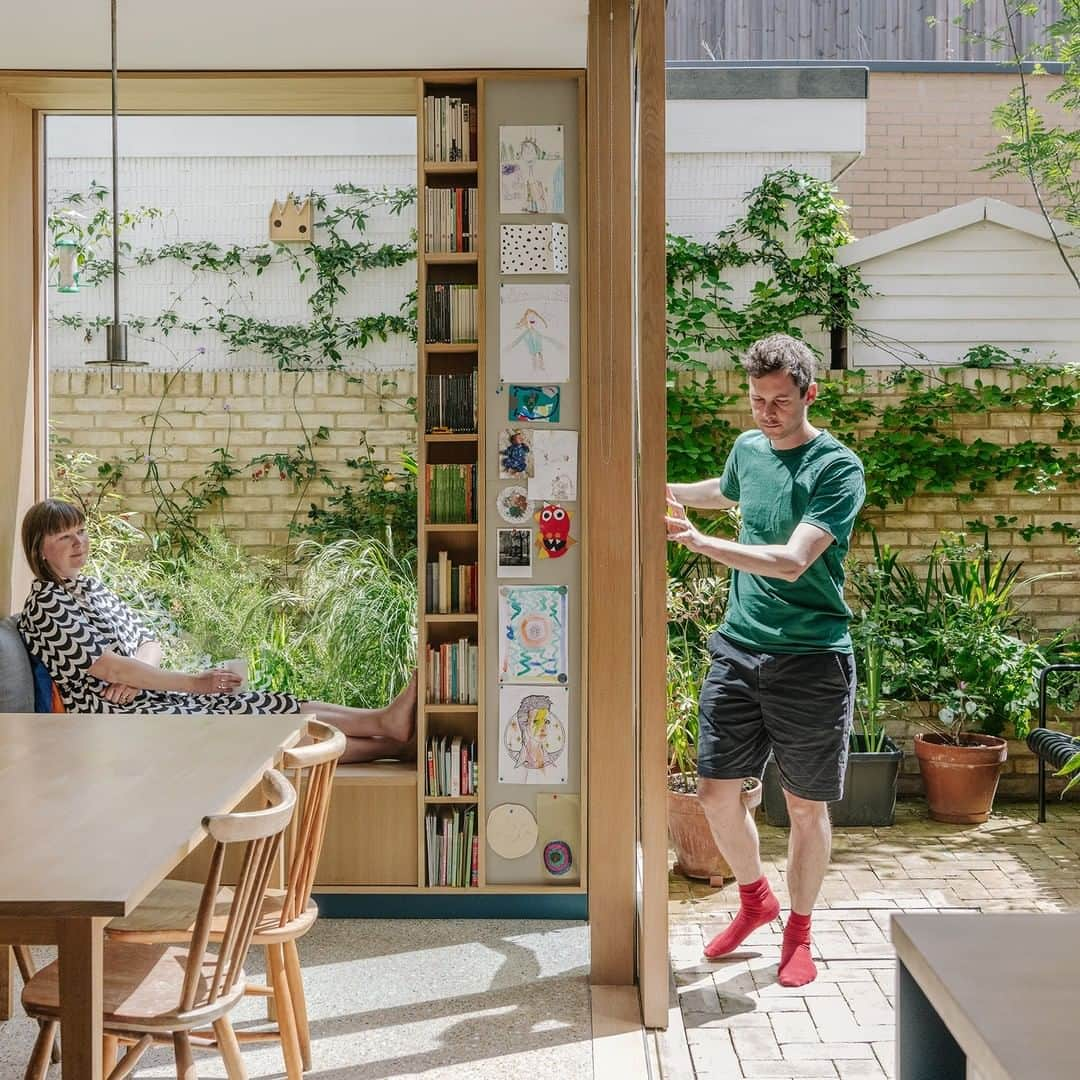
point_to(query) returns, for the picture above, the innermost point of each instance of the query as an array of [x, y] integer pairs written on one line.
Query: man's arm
[[788, 562], [704, 495]]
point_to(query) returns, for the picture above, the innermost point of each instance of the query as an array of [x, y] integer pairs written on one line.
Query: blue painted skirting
[[574, 906]]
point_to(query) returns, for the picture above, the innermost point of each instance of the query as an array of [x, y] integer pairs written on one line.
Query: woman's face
[[66, 551]]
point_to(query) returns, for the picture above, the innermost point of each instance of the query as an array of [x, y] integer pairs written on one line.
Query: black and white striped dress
[[68, 629]]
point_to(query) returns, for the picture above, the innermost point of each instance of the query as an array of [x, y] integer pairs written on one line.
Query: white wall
[[982, 283], [705, 193], [227, 199]]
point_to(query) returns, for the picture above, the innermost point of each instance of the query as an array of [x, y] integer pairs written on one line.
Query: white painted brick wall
[[705, 193], [228, 200]]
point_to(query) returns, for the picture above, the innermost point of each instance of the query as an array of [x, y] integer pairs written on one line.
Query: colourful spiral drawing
[[557, 857]]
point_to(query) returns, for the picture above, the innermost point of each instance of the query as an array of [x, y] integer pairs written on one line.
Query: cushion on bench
[[16, 678]]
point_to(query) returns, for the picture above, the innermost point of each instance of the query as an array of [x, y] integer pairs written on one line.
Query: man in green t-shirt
[[782, 679]]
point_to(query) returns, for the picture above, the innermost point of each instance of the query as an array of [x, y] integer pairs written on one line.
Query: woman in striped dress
[[104, 660]]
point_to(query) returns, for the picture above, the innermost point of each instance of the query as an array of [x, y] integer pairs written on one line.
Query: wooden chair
[[167, 914], [158, 993], [25, 963]]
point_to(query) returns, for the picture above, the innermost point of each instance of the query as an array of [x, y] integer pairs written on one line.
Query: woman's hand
[[120, 693], [215, 681]]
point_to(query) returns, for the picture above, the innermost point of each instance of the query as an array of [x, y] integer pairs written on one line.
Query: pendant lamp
[[116, 334]]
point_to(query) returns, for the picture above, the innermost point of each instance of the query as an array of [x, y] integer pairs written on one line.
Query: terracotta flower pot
[[960, 781], [696, 853]]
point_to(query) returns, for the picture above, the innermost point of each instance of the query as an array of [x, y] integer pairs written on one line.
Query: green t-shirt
[[820, 482]]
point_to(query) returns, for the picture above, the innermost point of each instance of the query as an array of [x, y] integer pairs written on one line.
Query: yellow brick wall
[[254, 413], [926, 135]]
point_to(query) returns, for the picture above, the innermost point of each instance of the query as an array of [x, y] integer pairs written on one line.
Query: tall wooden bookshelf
[[376, 839], [463, 542]]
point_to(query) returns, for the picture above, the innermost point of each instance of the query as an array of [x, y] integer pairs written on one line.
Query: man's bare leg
[[809, 849], [736, 836], [732, 827]]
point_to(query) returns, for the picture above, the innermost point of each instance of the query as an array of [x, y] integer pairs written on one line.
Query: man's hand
[[119, 693], [679, 528]]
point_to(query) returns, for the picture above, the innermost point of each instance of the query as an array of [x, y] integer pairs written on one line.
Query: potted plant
[[960, 769], [694, 602], [964, 651]]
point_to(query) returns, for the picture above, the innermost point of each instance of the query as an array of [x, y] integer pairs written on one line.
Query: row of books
[[453, 847], [449, 129], [450, 313], [450, 494], [452, 766], [451, 219], [453, 673], [450, 403], [450, 589]]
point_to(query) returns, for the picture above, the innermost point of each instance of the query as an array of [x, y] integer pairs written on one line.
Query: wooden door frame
[[651, 369]]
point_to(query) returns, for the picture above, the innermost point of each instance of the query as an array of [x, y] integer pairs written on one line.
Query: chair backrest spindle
[[261, 832], [314, 766]]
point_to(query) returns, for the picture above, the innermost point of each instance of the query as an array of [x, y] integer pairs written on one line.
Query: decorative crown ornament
[[292, 221]]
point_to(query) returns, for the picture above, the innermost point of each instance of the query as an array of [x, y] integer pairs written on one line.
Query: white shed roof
[[947, 221]]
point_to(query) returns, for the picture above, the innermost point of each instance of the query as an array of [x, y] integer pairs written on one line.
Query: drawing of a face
[[554, 524]]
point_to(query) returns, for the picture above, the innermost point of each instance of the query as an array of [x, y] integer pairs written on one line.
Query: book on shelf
[[450, 494], [450, 219], [453, 673], [449, 128], [450, 313], [452, 766], [451, 588], [450, 403], [451, 846]]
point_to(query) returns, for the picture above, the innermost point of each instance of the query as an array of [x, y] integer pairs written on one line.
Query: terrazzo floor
[[398, 998]]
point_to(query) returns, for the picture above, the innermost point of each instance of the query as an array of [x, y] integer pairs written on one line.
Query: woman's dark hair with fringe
[[43, 519]]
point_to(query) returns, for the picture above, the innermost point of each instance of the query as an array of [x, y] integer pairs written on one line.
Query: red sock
[[757, 906], [796, 967]]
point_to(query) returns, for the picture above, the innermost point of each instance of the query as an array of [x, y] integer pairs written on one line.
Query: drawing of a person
[[536, 201], [515, 456], [533, 338], [535, 737]]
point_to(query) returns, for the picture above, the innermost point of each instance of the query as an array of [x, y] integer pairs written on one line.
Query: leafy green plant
[[789, 232], [360, 620], [957, 637], [382, 505], [695, 606]]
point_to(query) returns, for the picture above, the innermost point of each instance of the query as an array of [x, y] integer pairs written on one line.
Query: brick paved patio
[[740, 1023]]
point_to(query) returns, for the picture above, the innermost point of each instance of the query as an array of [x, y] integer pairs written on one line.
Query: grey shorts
[[798, 706]]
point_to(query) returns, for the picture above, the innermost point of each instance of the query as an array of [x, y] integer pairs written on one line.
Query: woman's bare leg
[[362, 749], [373, 733]]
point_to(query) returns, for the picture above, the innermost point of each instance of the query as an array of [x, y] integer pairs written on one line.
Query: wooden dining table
[[97, 809]]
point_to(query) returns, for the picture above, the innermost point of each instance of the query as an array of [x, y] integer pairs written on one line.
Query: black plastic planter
[[869, 790]]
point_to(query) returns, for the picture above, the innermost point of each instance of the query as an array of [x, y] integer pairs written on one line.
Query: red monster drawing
[[554, 538]]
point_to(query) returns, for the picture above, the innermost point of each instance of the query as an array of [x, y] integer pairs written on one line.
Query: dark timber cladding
[[843, 29]]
